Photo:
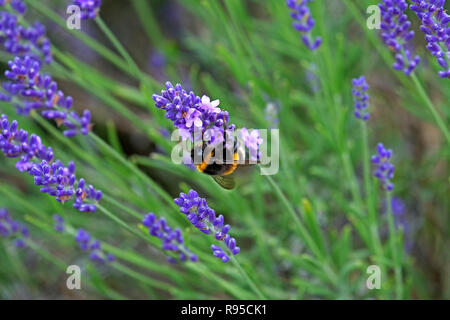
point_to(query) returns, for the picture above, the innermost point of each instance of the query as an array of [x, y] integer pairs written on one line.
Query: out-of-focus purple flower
[[190, 113], [13, 229], [17, 5], [384, 170], [59, 223], [396, 34], [312, 79], [172, 239], [401, 220], [94, 247], [165, 133], [304, 22], [187, 161], [51, 175], [89, 8], [399, 213], [271, 114], [360, 98], [204, 218], [157, 60], [21, 41], [435, 24], [252, 141], [156, 64], [28, 89]]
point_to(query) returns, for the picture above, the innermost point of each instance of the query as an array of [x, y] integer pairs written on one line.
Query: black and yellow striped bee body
[[219, 170]]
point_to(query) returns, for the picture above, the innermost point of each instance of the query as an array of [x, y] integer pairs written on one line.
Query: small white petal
[[198, 122], [205, 100], [215, 103]]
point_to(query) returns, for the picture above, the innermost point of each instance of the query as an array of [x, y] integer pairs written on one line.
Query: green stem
[[246, 277], [116, 43], [301, 228], [348, 169], [110, 293], [122, 207], [144, 279], [356, 11], [369, 192], [394, 252], [134, 169], [431, 107], [122, 223], [93, 44]]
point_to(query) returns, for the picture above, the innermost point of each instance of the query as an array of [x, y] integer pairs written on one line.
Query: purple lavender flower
[[94, 247], [360, 98], [312, 79], [59, 223], [197, 117], [384, 170], [401, 220], [156, 63], [12, 229], [435, 24], [252, 141], [86, 196], [192, 114], [204, 218], [51, 175], [21, 41], [89, 8], [17, 5], [157, 60], [172, 240], [219, 253], [271, 114], [399, 213], [30, 90], [304, 22], [396, 34]]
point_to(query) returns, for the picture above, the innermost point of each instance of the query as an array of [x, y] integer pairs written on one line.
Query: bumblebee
[[220, 170]]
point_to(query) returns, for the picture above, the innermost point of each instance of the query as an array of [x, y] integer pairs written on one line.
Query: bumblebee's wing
[[225, 182]]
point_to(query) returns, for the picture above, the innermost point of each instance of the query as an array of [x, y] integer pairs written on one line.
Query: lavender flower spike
[[172, 239], [89, 8], [204, 218], [86, 243], [51, 175], [384, 170], [59, 223], [192, 114], [360, 98], [396, 34], [304, 22], [17, 5], [12, 229], [200, 117], [435, 24], [252, 141], [19, 40], [30, 90]]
